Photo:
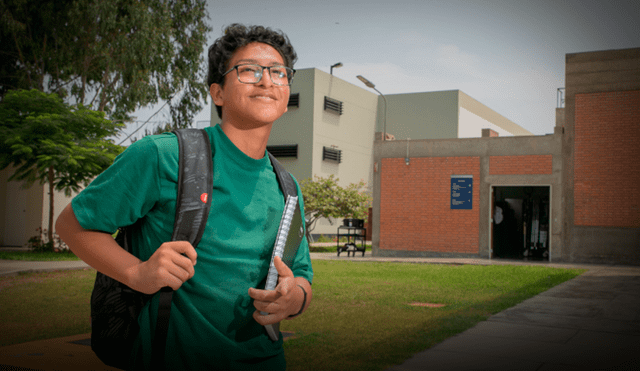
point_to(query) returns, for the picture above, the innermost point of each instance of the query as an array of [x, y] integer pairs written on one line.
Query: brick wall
[[607, 159], [520, 165], [489, 133], [415, 211]]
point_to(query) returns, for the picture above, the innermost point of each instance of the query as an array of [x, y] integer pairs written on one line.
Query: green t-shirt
[[211, 325]]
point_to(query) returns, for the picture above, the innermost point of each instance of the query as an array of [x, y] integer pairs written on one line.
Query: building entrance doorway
[[520, 227]]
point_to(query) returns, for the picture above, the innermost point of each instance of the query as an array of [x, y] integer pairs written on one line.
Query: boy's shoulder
[[166, 142], [162, 141]]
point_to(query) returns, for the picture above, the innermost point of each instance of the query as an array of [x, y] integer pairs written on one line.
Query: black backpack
[[115, 307]]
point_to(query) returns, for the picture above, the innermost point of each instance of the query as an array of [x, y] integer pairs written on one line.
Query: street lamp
[[369, 84], [337, 65]]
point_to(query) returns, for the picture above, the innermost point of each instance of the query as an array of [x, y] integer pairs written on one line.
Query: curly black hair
[[238, 35]]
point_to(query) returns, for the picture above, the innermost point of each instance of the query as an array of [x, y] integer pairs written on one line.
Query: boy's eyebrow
[[253, 61]]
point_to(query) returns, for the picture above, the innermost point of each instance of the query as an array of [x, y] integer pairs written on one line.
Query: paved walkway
[[13, 267], [589, 323]]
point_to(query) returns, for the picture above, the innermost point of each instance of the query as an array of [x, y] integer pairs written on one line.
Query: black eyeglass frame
[[289, 79]]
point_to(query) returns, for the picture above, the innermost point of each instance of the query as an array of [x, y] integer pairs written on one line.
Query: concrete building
[[328, 129], [442, 115], [24, 210], [469, 182], [570, 196], [600, 151], [330, 125]]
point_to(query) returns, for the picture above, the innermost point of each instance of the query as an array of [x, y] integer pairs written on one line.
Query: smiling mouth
[[264, 97]]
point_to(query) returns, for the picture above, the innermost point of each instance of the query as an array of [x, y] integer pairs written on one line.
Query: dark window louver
[[333, 105], [294, 100], [285, 150], [331, 154]]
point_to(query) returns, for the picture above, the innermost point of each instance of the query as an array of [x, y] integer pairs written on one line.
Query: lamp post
[[372, 86], [337, 65]]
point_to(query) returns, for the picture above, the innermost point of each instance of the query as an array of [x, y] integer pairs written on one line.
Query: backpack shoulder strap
[[296, 230], [287, 184], [195, 183]]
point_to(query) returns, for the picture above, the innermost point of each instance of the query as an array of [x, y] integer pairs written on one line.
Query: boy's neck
[[252, 142]]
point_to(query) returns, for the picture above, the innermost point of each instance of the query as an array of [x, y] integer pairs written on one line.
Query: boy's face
[[251, 105]]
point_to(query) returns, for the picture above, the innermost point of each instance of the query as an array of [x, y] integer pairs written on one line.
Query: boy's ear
[[215, 90]]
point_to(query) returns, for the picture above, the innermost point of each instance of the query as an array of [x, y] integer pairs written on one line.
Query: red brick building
[[569, 196]]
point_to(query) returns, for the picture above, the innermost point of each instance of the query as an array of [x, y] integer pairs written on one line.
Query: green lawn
[[37, 256], [36, 306], [360, 317]]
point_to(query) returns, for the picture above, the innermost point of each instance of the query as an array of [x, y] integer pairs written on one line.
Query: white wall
[[470, 125], [60, 201], [296, 126], [352, 133], [20, 210], [15, 228]]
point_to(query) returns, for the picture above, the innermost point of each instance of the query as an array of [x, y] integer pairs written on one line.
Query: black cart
[[354, 231]]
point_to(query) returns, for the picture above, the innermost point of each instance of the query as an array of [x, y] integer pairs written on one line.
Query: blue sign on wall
[[462, 192]]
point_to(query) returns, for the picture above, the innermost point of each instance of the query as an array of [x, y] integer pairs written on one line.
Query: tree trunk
[[50, 229]]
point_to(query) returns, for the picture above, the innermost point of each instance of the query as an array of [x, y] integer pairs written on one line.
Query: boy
[[215, 318]]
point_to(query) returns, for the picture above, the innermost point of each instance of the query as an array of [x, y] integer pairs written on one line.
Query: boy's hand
[[280, 303], [171, 265]]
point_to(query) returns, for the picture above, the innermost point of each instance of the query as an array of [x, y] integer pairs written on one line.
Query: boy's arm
[[166, 267]]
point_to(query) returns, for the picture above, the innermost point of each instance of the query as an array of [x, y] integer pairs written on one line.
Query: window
[[285, 150], [294, 100], [333, 105], [331, 154]]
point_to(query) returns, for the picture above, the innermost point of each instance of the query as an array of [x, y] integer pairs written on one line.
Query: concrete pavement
[[13, 267], [589, 323]]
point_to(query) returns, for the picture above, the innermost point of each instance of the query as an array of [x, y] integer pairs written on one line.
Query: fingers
[[275, 305], [264, 295], [267, 301], [268, 312], [183, 247], [266, 319], [285, 277], [267, 307], [283, 269], [285, 283], [285, 286], [168, 267], [278, 304], [170, 257]]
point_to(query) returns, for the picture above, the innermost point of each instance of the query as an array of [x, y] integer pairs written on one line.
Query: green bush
[[38, 245], [324, 238]]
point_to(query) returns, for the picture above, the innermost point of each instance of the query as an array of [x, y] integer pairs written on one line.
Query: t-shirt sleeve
[[123, 193], [302, 263]]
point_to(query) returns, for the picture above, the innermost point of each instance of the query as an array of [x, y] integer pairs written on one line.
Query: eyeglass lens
[[252, 73]]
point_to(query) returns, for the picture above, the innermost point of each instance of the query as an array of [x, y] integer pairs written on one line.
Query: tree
[[49, 141], [110, 55], [324, 198]]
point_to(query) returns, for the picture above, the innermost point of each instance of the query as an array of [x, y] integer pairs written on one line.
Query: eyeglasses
[[252, 74]]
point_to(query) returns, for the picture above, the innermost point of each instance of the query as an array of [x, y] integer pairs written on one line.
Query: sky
[[508, 55]]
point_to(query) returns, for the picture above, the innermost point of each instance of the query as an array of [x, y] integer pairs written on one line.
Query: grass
[[36, 306], [360, 318], [37, 256]]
